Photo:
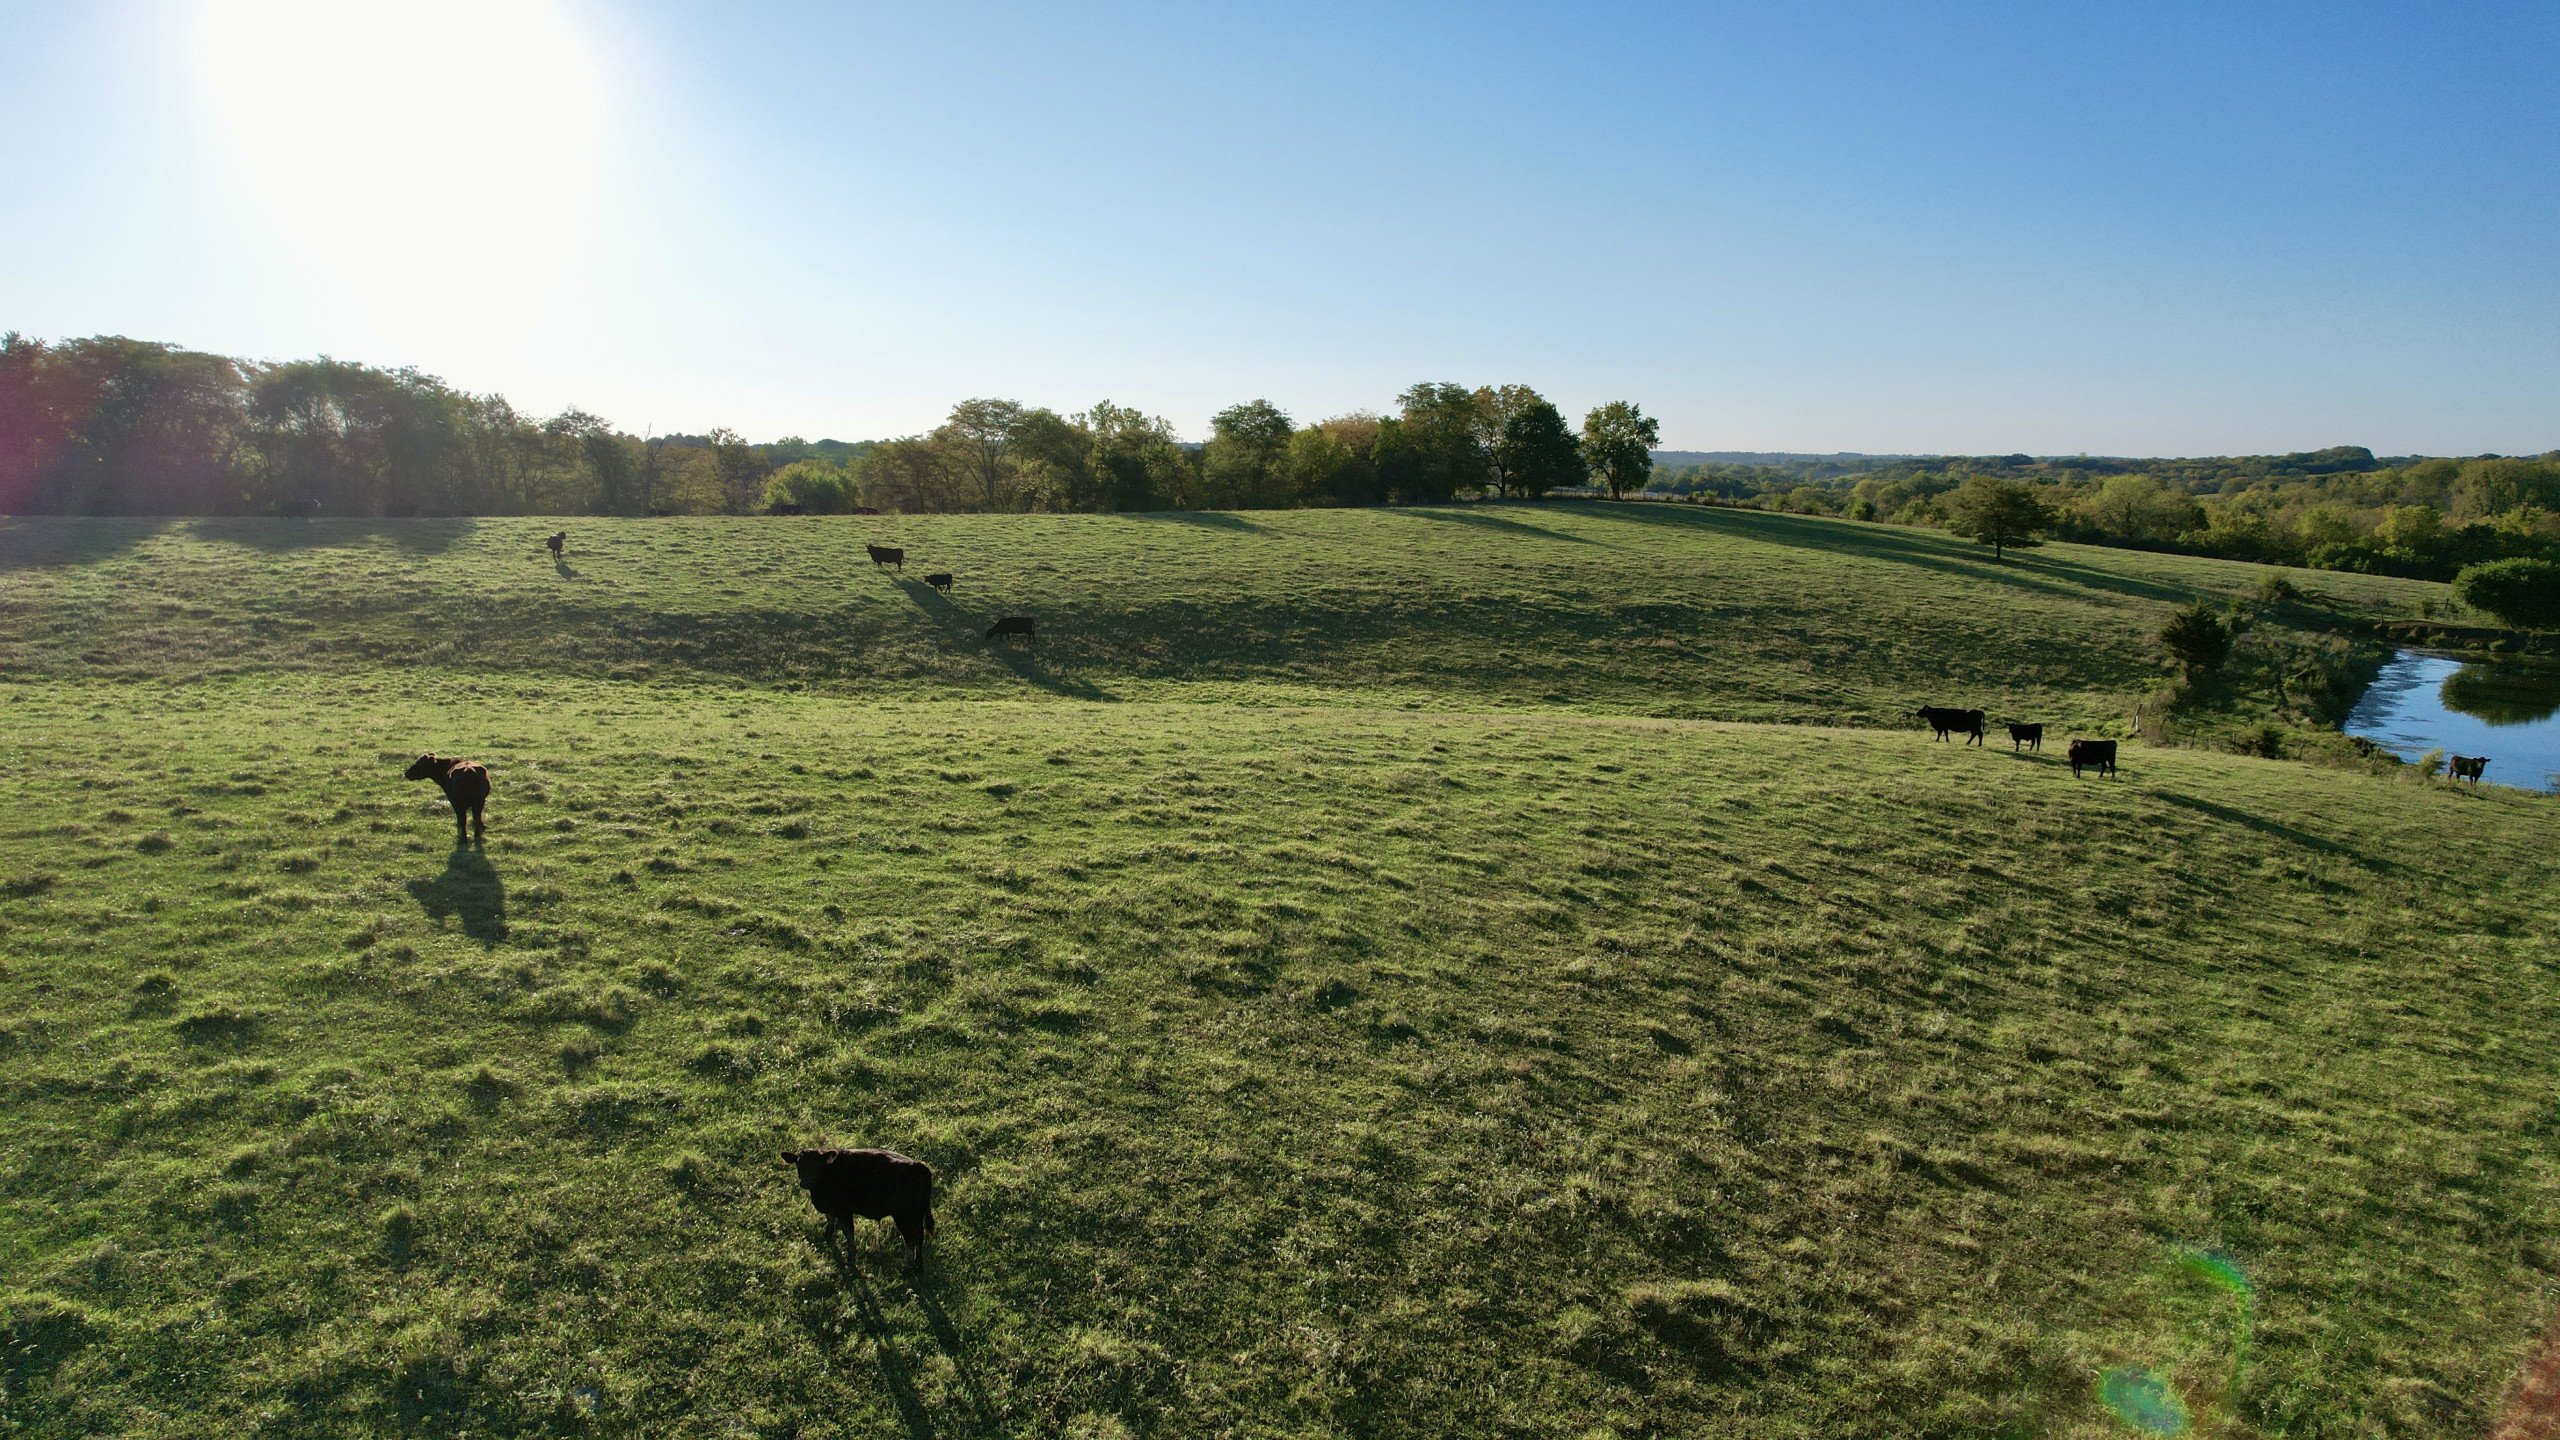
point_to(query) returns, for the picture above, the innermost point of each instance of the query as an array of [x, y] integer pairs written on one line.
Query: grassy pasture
[[1415, 1008], [1642, 609]]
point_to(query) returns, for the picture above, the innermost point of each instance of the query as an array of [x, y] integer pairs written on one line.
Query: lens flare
[[2143, 1400]]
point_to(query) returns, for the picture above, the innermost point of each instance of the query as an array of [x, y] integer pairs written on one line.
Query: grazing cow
[[2028, 736], [781, 507], [940, 580], [1947, 722], [557, 543], [2467, 767], [871, 1184], [888, 555], [1014, 625], [2098, 754], [466, 787]]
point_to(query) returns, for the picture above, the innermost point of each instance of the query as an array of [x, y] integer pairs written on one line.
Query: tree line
[[2336, 509], [111, 426]]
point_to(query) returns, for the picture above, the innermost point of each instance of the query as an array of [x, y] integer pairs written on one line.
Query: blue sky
[[2144, 229]]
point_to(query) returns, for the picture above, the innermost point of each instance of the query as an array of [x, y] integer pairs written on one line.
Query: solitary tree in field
[[1618, 441], [2197, 638], [1997, 513], [2523, 593]]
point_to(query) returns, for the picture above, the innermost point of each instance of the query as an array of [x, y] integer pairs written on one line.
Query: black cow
[[1014, 625], [872, 1185], [557, 543], [2467, 767], [940, 580], [2029, 736], [888, 555], [2099, 754], [1953, 722], [465, 784], [785, 507]]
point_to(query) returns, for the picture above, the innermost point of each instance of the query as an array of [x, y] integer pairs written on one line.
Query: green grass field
[[1412, 1007]]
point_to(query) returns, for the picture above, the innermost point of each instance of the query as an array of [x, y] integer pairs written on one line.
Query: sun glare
[[439, 158]]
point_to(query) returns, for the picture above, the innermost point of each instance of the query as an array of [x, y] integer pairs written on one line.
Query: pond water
[[2508, 710]]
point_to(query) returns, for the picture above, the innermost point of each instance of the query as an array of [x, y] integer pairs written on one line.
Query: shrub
[[2522, 593], [2197, 638]]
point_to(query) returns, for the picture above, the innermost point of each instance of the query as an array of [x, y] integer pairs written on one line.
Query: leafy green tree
[[740, 469], [814, 485], [1618, 441], [1537, 452], [907, 476], [979, 440], [1436, 448], [2197, 638], [1246, 462], [1998, 513], [2521, 592], [1135, 460], [1334, 462], [1055, 457]]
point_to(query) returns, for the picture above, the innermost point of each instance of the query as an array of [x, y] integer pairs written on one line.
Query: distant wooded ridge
[[112, 426]]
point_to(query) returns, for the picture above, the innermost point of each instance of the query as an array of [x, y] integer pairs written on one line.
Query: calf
[[2030, 737], [1947, 722], [465, 784], [2098, 754], [557, 543], [940, 580], [1014, 625], [2467, 767], [871, 1184], [888, 555]]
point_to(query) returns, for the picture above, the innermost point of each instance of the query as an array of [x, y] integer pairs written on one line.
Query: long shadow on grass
[[2280, 830], [895, 1369], [964, 629], [1206, 519], [416, 537], [1875, 541], [468, 891], [1489, 521], [44, 542]]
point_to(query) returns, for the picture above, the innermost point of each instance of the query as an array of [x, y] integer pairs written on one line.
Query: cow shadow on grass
[[897, 1368], [964, 628], [2277, 828], [468, 892]]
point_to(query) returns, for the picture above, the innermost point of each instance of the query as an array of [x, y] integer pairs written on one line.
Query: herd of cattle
[[2098, 755], [844, 1185]]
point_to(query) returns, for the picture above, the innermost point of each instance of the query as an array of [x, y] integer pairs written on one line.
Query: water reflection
[[2505, 692], [2507, 710]]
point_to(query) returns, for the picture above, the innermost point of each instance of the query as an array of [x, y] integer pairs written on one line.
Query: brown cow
[[465, 784], [2466, 767], [870, 1184]]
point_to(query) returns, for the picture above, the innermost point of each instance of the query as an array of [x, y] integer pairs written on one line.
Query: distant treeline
[[110, 426], [2335, 509]]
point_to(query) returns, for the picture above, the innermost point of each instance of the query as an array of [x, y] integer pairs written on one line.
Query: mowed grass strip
[[1651, 609], [1288, 1072]]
